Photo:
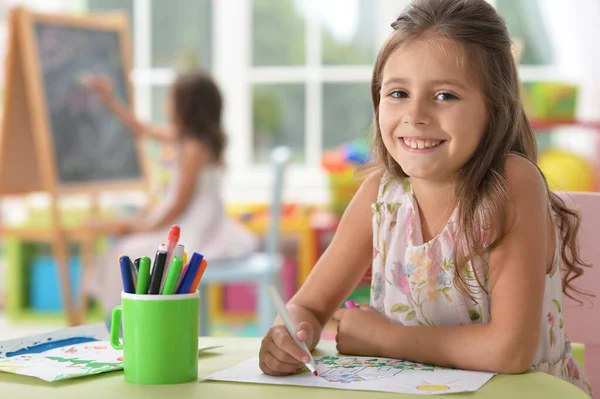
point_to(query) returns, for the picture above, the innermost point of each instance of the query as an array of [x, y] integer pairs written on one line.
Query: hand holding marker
[[290, 325], [175, 277]]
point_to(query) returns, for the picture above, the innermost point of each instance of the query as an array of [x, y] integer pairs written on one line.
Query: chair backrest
[[582, 322], [280, 157]]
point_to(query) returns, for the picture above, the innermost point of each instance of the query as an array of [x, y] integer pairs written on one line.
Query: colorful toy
[[566, 171], [340, 164], [549, 100]]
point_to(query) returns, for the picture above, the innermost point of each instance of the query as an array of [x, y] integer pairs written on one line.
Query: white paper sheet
[[365, 374]]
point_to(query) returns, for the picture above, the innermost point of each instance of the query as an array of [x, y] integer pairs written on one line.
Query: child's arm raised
[[333, 278], [509, 342], [103, 88]]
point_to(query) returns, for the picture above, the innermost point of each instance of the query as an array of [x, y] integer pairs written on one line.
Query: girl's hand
[[100, 85], [279, 354], [358, 330]]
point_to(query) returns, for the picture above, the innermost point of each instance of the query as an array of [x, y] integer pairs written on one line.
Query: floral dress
[[412, 281]]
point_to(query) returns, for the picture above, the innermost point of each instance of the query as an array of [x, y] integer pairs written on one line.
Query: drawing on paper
[[68, 353], [347, 370], [365, 374], [358, 374]]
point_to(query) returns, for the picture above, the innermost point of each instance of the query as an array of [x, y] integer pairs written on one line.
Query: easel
[[27, 160]]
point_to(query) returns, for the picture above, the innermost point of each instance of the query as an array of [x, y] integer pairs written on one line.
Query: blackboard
[[90, 143]]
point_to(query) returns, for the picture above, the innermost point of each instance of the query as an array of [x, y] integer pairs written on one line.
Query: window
[[311, 63], [526, 26], [300, 78], [167, 37], [294, 72]]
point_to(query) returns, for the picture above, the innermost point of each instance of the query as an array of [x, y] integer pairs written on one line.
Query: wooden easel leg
[[61, 255], [87, 259]]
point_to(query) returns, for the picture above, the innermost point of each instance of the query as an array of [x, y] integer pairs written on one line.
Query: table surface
[[532, 385]]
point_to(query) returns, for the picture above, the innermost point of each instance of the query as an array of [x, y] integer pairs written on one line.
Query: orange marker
[[198, 277]]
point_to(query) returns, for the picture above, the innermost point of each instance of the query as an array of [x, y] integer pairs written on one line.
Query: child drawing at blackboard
[[471, 253], [193, 200]]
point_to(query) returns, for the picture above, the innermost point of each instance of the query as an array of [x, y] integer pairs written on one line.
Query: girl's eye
[[445, 96], [399, 94]]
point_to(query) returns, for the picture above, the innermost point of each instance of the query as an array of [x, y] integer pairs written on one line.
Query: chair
[[263, 268], [583, 321]]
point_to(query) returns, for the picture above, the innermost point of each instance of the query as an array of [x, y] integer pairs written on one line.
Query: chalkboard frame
[[36, 98], [27, 158]]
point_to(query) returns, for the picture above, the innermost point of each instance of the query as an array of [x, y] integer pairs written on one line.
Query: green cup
[[160, 337]]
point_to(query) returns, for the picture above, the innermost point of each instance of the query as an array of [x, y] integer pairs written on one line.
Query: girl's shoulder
[[523, 176]]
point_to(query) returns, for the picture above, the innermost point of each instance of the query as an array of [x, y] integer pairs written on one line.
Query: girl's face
[[432, 113]]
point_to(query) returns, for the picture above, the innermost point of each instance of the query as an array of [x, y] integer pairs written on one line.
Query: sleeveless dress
[[205, 228], [412, 281]]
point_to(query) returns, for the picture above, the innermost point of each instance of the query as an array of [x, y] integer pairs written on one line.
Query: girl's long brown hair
[[475, 27], [198, 108]]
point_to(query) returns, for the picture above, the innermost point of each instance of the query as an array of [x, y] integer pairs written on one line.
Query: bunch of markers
[[171, 273]]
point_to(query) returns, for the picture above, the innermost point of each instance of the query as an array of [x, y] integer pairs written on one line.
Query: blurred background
[[292, 73]]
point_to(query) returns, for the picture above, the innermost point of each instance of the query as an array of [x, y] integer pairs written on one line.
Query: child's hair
[[474, 27], [197, 105]]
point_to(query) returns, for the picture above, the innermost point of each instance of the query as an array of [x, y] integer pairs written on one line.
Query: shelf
[[543, 125]]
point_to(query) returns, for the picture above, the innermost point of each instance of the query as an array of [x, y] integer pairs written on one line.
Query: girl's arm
[[341, 266], [194, 157], [103, 88], [509, 342]]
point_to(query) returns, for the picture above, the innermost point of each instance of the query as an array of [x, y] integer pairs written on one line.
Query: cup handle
[[115, 328]]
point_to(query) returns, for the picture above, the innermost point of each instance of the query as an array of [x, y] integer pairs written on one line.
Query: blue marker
[[190, 274], [126, 275]]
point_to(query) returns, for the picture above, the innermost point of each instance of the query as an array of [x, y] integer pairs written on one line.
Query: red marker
[[173, 239]]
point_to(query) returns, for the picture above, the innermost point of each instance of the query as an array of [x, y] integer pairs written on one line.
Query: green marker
[[173, 276], [143, 276]]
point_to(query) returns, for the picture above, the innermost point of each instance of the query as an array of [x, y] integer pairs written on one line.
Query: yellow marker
[[184, 257]]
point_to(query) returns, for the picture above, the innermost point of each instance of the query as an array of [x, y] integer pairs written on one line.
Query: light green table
[[532, 385]]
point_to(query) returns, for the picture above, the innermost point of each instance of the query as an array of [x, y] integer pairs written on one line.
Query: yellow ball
[[566, 171]]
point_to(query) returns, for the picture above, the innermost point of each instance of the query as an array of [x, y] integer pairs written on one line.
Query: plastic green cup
[[160, 337]]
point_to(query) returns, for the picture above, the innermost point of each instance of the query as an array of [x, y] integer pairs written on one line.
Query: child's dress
[[412, 281], [205, 228]]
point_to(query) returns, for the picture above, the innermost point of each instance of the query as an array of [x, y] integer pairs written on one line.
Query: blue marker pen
[[126, 275], [190, 274]]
